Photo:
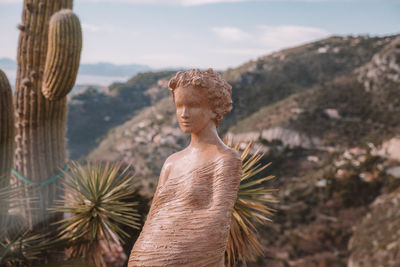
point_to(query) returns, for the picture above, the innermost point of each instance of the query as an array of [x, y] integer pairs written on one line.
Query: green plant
[[251, 207], [95, 198], [19, 245], [48, 59], [23, 248], [6, 142]]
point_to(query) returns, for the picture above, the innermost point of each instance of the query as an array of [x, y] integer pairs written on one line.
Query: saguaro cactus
[[6, 140], [48, 59]]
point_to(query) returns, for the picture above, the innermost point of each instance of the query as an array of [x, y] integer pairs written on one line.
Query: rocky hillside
[[92, 113], [274, 77], [359, 107], [268, 92], [326, 113]]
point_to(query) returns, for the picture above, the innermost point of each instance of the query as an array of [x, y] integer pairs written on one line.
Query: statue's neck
[[208, 136]]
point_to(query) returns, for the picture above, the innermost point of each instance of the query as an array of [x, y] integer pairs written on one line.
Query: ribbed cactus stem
[[63, 54], [40, 123], [6, 141]]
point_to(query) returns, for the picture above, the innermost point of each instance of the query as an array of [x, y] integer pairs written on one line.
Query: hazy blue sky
[[208, 33]]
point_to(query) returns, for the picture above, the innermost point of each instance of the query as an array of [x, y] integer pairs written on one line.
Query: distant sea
[[82, 81], [99, 80]]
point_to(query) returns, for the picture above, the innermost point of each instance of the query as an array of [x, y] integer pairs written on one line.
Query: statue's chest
[[194, 190]]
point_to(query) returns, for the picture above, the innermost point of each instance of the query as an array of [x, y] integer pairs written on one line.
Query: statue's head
[[204, 93]]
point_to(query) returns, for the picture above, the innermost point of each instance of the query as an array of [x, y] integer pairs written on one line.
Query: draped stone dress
[[189, 219]]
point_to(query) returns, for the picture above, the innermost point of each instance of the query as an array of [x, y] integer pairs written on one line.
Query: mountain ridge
[[98, 68]]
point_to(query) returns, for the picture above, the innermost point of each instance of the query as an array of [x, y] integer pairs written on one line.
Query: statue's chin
[[186, 129]]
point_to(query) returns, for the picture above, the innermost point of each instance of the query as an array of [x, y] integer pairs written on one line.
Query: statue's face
[[193, 109]]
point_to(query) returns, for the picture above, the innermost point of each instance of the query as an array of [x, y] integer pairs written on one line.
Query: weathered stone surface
[[394, 171], [391, 149], [288, 137], [384, 66]]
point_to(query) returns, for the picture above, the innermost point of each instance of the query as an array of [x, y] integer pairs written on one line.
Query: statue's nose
[[185, 113]]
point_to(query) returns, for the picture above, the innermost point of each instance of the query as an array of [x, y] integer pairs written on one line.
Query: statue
[[189, 219]]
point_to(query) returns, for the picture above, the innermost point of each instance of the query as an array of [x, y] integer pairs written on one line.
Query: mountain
[[97, 69], [108, 69], [326, 115], [274, 77], [362, 106], [6, 63], [96, 75]]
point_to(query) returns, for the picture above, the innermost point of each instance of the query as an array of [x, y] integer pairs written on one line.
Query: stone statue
[[189, 219]]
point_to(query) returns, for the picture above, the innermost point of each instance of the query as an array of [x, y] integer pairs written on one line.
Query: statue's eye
[[193, 104]]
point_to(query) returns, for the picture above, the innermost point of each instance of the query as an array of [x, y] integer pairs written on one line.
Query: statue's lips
[[185, 123]]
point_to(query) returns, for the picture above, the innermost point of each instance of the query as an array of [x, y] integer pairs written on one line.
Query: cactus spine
[[48, 59], [6, 141]]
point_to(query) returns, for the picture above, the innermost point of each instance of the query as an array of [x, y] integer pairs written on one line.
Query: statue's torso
[[182, 227]]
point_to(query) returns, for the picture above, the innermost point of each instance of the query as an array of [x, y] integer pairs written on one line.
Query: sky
[[208, 33]]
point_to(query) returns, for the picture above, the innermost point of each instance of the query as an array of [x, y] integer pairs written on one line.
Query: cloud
[[242, 52], [204, 2], [288, 35], [230, 33], [93, 28], [10, 1], [265, 39], [169, 2], [191, 2], [198, 2]]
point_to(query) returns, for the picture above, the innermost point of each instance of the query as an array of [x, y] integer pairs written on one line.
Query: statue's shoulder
[[230, 161], [173, 158], [231, 165], [167, 167], [230, 154]]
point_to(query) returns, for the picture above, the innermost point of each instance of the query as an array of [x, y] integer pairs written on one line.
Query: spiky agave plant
[[252, 207], [11, 252], [95, 199], [24, 247]]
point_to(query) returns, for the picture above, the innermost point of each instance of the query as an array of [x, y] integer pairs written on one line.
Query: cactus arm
[[6, 130], [63, 54], [6, 140]]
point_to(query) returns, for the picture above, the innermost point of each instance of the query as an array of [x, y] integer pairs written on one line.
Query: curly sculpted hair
[[219, 92]]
